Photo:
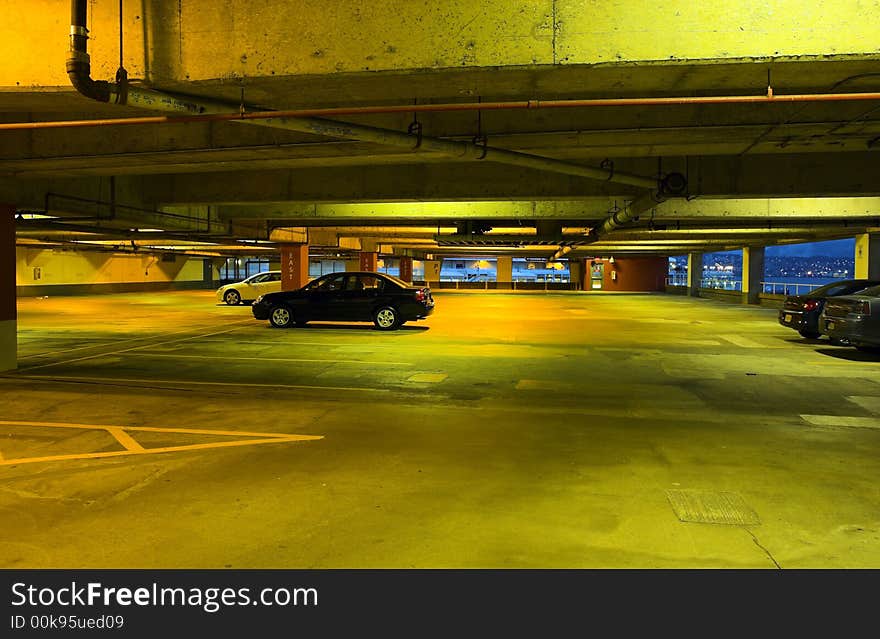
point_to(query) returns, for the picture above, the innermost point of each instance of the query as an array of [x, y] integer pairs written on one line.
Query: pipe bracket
[[482, 143], [608, 165], [415, 128]]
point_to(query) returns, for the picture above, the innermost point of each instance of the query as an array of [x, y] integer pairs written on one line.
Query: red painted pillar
[[294, 266], [406, 269], [370, 262], [8, 316]]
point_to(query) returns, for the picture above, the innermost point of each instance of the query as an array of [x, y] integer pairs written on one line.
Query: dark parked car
[[801, 312], [349, 297], [854, 318]]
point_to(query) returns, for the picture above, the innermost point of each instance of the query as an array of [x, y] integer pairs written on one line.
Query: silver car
[[854, 318]]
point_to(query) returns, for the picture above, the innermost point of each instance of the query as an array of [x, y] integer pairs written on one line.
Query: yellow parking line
[[275, 359], [111, 342], [112, 380], [124, 438], [166, 449], [132, 447], [133, 348], [150, 429]]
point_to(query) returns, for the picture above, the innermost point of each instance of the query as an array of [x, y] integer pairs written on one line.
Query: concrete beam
[[289, 235], [168, 40], [521, 210], [435, 182], [195, 147], [771, 176], [754, 209], [114, 202]]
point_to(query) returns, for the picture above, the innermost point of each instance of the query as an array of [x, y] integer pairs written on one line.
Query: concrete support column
[[504, 271], [294, 266], [208, 280], [406, 269], [695, 273], [867, 256], [752, 274], [576, 273], [369, 262], [8, 315]]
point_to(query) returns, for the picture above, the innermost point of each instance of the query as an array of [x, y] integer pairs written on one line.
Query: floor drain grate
[[710, 507]]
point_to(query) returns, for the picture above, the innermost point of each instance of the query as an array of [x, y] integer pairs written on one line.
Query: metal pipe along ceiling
[[433, 108], [78, 68]]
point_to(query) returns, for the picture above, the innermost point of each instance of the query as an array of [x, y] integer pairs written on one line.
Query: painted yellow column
[[432, 271], [867, 256], [8, 315], [752, 274]]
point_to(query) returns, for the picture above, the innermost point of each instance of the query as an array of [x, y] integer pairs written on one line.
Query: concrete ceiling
[[756, 174]]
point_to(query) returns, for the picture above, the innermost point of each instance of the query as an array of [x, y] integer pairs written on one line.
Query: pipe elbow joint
[[79, 70]]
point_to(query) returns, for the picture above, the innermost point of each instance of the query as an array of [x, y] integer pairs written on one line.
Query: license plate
[[788, 318], [829, 326]]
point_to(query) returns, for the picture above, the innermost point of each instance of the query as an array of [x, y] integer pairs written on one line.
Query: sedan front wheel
[[386, 318], [281, 317]]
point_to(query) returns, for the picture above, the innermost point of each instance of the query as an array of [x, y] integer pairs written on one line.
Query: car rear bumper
[[797, 320], [857, 330], [417, 313]]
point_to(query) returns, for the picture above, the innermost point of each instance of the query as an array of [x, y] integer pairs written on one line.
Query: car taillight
[[420, 295], [811, 305]]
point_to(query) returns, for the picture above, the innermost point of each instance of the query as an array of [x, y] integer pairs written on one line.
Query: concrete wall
[[204, 39], [51, 271], [636, 274]]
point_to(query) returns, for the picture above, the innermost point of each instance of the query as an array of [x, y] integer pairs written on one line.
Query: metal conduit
[[199, 115]]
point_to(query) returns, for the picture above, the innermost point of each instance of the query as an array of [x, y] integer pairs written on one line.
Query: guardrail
[[515, 286], [771, 288], [787, 288]]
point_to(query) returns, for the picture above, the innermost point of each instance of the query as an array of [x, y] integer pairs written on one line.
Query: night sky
[[829, 248]]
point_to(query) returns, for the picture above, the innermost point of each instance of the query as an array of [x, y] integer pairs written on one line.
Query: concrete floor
[[508, 430]]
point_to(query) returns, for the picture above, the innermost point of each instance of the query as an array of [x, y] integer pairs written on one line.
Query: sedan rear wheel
[[281, 317], [386, 318], [232, 297]]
